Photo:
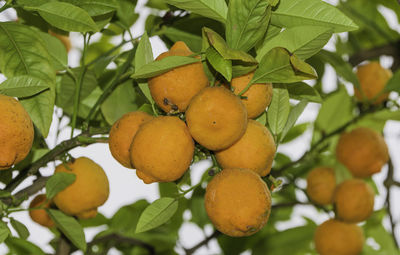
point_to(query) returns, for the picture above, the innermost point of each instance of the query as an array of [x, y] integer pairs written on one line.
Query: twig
[[322, 139], [116, 238], [204, 242], [35, 187], [392, 49], [63, 147], [388, 184]]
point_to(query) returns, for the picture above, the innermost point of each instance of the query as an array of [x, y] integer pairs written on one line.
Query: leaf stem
[[78, 83]]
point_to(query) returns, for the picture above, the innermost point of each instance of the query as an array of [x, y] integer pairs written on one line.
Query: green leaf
[[161, 66], [293, 241], [122, 100], [295, 132], [66, 16], [221, 65], [4, 231], [143, 56], [22, 86], [66, 91], [21, 229], [58, 182], [335, 111], [293, 116], [95, 7], [4, 193], [220, 45], [70, 228], [57, 51], [394, 83], [157, 213], [21, 246], [23, 52], [304, 41], [247, 23], [193, 41], [126, 13], [278, 111], [262, 118], [98, 220], [208, 8], [292, 13], [301, 90], [277, 67], [342, 68]]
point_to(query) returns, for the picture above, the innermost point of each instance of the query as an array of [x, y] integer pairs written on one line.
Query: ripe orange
[[173, 90], [334, 237], [321, 184], [238, 202], [258, 96], [122, 133], [255, 150], [162, 149], [354, 201], [216, 118], [89, 191], [40, 216], [16, 132], [373, 78], [363, 151]]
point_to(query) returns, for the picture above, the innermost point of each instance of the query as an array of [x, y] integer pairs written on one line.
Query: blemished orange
[[162, 149], [334, 237], [257, 97], [238, 202], [255, 150], [16, 132], [63, 38], [173, 90], [40, 216], [363, 151], [354, 201], [321, 184], [122, 133], [216, 118], [89, 190], [373, 78]]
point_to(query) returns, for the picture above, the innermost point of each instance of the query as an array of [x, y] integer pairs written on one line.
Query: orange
[[40, 215], [321, 184], [363, 151], [354, 201], [162, 149], [373, 78], [89, 190], [334, 237], [173, 90], [257, 97], [16, 132], [122, 133], [238, 202], [255, 150], [216, 118]]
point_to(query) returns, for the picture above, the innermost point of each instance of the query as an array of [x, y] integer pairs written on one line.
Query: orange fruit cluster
[[161, 148]]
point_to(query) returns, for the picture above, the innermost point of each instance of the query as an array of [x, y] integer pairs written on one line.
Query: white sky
[[126, 188]]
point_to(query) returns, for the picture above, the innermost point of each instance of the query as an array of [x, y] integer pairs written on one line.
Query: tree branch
[[204, 242], [82, 139], [392, 49], [388, 184], [322, 139], [118, 239]]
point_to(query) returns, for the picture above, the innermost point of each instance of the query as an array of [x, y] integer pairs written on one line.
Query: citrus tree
[[237, 77]]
